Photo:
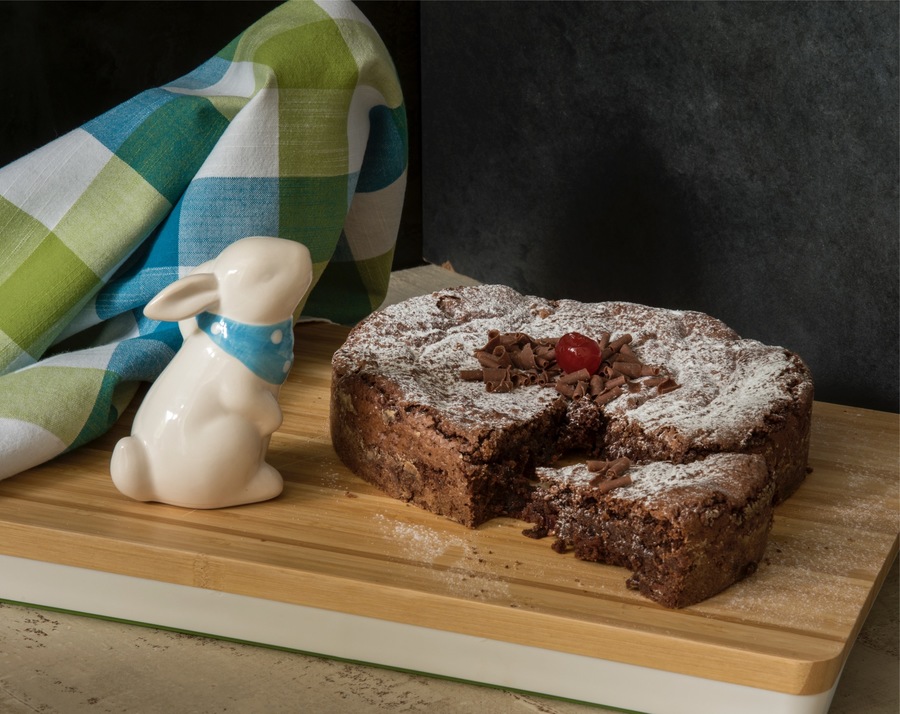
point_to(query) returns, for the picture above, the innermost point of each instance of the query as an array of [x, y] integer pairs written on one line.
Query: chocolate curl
[[541, 362], [582, 375], [523, 358], [486, 359], [618, 467], [628, 369], [607, 486], [616, 381], [617, 343], [666, 386], [501, 379], [623, 356], [521, 379], [500, 387], [515, 338], [608, 470], [512, 359], [598, 465], [491, 344], [501, 354], [607, 396], [495, 374]]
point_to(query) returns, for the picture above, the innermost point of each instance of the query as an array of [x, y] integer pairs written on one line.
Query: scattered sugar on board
[[800, 585], [863, 497], [457, 572]]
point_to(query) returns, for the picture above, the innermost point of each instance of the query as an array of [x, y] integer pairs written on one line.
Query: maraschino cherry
[[574, 351]]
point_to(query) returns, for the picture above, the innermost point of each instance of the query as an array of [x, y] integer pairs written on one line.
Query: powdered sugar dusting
[[650, 481], [729, 385]]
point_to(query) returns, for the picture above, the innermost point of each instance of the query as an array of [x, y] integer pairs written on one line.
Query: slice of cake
[[687, 531], [455, 400]]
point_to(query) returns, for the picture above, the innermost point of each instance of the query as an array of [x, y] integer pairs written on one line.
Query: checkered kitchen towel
[[297, 129]]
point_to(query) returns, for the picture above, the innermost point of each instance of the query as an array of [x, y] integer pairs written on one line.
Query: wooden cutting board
[[332, 541]]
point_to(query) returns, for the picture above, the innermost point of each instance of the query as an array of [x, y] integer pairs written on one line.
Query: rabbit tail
[[128, 469]]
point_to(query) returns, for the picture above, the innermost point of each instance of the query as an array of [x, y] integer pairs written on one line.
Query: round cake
[[455, 401]]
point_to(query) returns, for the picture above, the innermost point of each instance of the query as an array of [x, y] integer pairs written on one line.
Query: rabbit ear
[[184, 298]]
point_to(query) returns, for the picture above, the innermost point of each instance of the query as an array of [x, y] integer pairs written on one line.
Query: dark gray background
[[739, 158]]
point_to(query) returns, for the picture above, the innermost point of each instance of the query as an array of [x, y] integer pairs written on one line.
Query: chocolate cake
[[456, 402], [687, 531]]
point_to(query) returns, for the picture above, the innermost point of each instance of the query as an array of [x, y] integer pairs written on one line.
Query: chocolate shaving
[[619, 466], [629, 369], [486, 359], [495, 374], [513, 359], [616, 380], [609, 372], [617, 343], [607, 396], [666, 386], [610, 474], [582, 375], [500, 354], [607, 470], [597, 465], [607, 486], [622, 356], [524, 358]]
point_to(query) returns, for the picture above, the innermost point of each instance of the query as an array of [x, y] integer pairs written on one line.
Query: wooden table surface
[[332, 541]]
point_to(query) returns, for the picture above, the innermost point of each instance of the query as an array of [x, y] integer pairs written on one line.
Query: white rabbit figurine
[[200, 437]]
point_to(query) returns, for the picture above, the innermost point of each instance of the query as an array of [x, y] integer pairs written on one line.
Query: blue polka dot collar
[[266, 350]]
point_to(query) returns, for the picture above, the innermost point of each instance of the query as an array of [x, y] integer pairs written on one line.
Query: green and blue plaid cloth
[[296, 129]]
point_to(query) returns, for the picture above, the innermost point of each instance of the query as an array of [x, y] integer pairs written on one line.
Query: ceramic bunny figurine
[[200, 437]]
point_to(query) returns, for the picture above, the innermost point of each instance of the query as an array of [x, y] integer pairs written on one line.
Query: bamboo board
[[334, 543]]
